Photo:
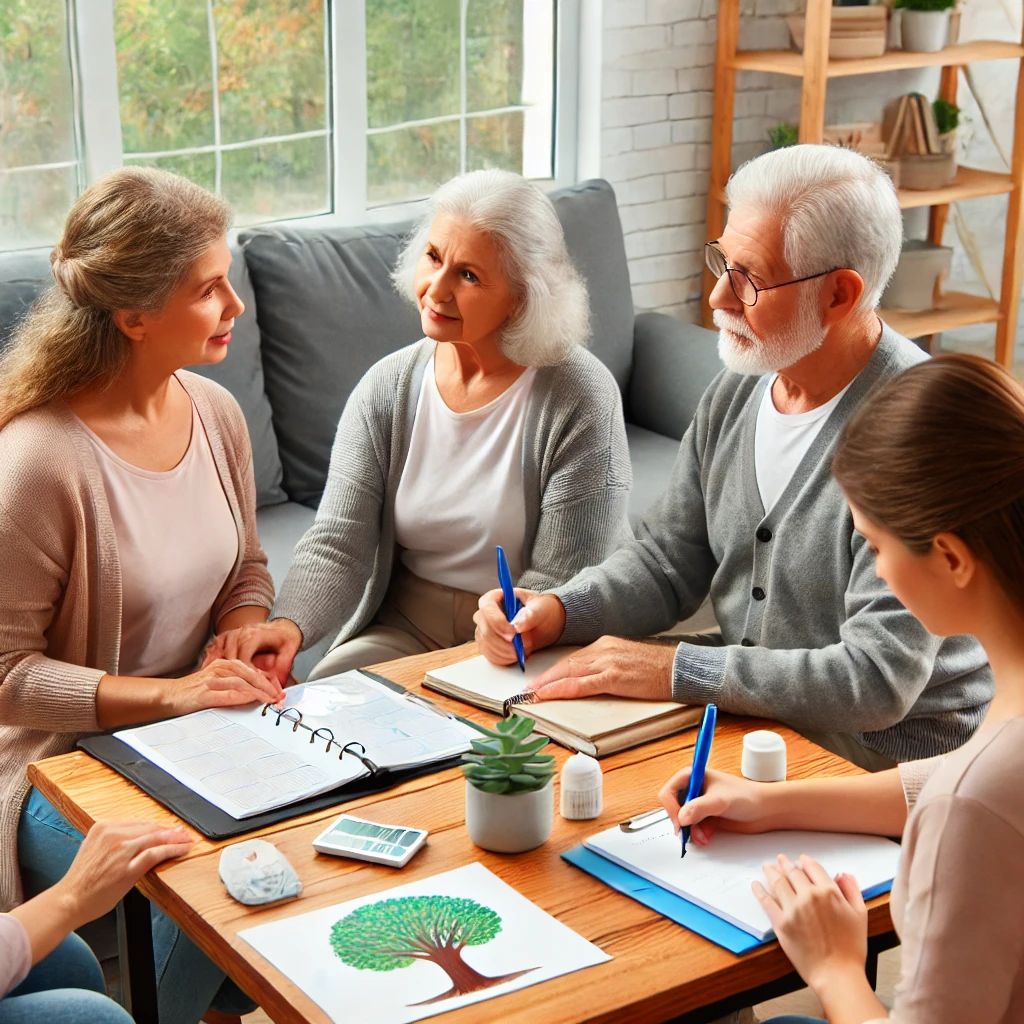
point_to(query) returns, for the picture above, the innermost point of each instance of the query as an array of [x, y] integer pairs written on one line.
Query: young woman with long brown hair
[[127, 514], [933, 468]]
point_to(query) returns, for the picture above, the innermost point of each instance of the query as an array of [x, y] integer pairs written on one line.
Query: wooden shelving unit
[[813, 66]]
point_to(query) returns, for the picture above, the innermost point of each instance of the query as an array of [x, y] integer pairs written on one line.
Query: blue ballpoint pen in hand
[[701, 751], [512, 604]]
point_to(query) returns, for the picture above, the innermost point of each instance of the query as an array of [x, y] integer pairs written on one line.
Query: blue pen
[[512, 604], [701, 751]]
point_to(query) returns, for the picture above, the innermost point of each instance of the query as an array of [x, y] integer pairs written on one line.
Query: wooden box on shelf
[[855, 32]]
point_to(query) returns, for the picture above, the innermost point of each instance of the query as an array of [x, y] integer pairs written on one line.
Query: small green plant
[[783, 135], [507, 760], [925, 5], [947, 115]]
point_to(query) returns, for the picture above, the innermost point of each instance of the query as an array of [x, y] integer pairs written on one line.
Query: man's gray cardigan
[[576, 482], [813, 637]]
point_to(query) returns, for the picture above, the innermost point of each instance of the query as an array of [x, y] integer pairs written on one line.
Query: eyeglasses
[[742, 287]]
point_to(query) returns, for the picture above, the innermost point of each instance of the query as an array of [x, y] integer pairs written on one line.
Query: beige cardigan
[[60, 585]]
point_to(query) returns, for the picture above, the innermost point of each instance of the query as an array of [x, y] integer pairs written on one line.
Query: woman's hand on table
[[728, 802], [821, 924], [540, 622], [222, 683], [270, 647]]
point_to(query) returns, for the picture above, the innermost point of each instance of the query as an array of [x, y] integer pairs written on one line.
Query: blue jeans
[[788, 1018], [188, 982], [66, 987]]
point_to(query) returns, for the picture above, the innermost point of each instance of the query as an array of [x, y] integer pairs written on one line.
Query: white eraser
[[581, 786], [764, 756]]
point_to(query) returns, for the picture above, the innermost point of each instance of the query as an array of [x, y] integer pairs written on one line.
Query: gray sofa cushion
[[593, 234], [673, 363], [25, 275], [327, 313], [652, 456]]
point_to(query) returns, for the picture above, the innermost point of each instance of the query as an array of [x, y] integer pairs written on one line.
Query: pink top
[[177, 544], [15, 953]]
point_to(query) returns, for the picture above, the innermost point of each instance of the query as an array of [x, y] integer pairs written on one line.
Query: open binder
[[345, 769]]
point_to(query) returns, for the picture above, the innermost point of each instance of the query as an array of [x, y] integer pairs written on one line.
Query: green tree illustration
[[394, 933]]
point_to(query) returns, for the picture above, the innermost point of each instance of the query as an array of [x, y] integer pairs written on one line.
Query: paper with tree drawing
[[718, 876], [421, 949]]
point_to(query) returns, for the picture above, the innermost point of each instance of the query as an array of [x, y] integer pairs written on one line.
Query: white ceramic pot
[[924, 31], [509, 822]]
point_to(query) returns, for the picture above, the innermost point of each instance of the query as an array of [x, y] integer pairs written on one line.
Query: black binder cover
[[214, 823]]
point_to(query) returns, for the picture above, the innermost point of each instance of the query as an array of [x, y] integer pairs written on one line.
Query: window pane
[[282, 179], [164, 75], [412, 60], [411, 162], [33, 205], [494, 54], [36, 122], [495, 141], [271, 68], [197, 167]]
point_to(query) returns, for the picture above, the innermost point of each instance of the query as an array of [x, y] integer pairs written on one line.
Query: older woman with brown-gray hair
[[498, 428]]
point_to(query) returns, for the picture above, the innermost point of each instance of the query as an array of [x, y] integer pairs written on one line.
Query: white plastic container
[[764, 756], [581, 788]]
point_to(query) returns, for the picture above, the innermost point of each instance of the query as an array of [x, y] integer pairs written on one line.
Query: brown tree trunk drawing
[[464, 978]]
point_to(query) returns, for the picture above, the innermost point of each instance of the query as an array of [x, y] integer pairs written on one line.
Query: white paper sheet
[[529, 946], [238, 760], [718, 876]]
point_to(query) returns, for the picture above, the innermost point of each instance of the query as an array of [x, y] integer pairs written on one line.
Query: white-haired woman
[[127, 517], [497, 428]]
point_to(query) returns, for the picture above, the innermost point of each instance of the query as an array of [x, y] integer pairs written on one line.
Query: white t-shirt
[[177, 544], [781, 441], [461, 491]]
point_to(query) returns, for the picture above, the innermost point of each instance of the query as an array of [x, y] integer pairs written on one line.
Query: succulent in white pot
[[924, 24], [509, 795]]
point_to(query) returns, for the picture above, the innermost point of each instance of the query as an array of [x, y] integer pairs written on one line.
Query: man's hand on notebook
[[540, 622], [623, 668]]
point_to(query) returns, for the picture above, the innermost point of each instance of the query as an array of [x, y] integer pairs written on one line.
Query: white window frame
[[98, 123]]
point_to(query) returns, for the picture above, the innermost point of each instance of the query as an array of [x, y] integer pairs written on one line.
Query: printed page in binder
[[254, 759], [718, 876]]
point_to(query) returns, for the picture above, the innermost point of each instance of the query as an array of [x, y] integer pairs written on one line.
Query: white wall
[[657, 77]]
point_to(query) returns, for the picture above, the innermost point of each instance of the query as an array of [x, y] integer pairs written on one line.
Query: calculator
[[356, 837]]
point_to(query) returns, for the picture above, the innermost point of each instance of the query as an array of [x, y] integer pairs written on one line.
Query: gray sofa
[[320, 310]]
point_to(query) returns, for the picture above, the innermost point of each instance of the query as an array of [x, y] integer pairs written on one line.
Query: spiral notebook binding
[[294, 715]]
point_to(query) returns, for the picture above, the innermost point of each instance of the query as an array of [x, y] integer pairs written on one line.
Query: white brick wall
[[657, 80]]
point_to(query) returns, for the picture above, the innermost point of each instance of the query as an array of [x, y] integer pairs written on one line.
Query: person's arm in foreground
[[112, 858], [820, 922]]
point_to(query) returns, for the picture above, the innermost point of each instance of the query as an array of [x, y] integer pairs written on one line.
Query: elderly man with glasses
[[752, 515]]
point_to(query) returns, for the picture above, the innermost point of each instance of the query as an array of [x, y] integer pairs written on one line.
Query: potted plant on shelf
[[924, 24], [509, 795], [783, 135], [947, 120]]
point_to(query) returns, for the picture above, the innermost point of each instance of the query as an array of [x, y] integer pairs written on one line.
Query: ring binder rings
[[251, 760]]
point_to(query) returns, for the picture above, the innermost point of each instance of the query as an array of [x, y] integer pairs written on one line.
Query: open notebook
[[718, 876], [595, 725], [254, 759]]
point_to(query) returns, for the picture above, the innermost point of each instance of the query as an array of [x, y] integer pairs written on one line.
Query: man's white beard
[[787, 345]]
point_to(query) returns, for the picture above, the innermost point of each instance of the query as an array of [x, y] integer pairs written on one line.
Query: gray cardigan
[[576, 480], [812, 636]]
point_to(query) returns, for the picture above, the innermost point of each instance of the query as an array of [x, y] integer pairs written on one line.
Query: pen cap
[[764, 756], [581, 788]]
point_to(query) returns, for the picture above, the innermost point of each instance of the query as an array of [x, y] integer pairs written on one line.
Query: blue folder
[[674, 907]]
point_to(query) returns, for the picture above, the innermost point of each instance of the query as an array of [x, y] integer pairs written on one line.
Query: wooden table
[[660, 971]]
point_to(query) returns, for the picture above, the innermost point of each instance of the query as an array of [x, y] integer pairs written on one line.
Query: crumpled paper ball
[[256, 871]]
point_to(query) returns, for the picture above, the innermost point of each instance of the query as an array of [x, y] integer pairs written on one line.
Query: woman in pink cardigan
[[127, 516]]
